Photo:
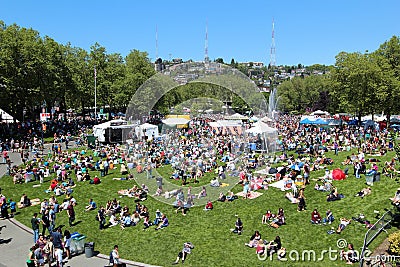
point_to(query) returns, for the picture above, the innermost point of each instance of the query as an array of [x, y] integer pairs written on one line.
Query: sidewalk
[[16, 238]]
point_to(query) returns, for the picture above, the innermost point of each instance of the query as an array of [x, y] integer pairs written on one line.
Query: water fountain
[[273, 104]]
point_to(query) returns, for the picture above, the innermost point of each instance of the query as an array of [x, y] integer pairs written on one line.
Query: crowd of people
[[191, 153]]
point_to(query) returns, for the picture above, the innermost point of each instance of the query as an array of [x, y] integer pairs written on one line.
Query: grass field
[[209, 231]]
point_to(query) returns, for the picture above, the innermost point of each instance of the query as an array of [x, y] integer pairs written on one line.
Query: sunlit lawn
[[209, 231]]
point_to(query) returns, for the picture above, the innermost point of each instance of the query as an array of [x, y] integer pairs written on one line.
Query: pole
[[95, 94]]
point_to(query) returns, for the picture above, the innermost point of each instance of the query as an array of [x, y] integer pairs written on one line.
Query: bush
[[394, 243]]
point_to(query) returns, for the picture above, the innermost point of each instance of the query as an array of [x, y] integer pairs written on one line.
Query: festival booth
[[114, 131], [266, 137], [227, 127], [5, 117], [237, 116], [176, 122], [146, 130]]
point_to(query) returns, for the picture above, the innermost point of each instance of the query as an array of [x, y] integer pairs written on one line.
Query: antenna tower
[[206, 58], [272, 62]]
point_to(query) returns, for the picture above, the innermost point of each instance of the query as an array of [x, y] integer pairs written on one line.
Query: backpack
[[111, 260]]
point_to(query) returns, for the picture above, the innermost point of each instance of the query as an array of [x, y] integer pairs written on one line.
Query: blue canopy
[[306, 121], [321, 121]]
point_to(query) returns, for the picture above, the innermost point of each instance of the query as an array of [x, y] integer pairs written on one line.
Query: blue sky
[[306, 32]]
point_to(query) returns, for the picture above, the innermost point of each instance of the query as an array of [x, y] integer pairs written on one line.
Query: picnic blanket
[[252, 194]]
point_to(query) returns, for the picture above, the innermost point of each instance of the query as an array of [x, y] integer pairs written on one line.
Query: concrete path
[[16, 238]]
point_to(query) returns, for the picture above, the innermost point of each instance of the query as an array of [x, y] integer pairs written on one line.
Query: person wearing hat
[[158, 218]]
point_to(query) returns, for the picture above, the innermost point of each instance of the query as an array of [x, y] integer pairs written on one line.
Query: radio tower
[[272, 62], [206, 58]]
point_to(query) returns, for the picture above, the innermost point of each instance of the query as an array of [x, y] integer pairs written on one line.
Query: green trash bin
[[91, 140]]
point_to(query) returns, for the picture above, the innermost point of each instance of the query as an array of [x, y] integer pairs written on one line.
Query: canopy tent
[[4, 116], [227, 126], [236, 116], [267, 136], [261, 127], [175, 121], [148, 130], [312, 120], [320, 113]]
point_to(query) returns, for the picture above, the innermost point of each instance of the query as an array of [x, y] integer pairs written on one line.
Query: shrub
[[394, 243]]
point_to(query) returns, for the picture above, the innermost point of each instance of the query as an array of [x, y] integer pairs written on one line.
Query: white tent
[[236, 116], [147, 129], [320, 112], [175, 121], [268, 135], [261, 127], [4, 116]]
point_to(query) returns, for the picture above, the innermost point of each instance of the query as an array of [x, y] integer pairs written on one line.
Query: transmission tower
[[272, 62], [206, 58]]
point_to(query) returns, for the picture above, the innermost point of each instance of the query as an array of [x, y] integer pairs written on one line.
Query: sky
[[306, 32]]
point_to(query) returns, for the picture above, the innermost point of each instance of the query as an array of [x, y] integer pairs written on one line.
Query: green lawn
[[209, 231]]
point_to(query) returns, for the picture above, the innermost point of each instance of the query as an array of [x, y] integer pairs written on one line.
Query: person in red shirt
[[209, 206], [315, 217], [96, 180]]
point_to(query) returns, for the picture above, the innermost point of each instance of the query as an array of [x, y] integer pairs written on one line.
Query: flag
[[95, 73]]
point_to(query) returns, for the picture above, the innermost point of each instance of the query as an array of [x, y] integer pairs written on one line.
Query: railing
[[374, 231]]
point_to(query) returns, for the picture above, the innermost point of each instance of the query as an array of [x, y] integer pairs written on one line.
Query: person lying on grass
[[342, 225], [364, 192]]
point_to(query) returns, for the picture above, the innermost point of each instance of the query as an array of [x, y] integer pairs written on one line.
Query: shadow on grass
[[5, 241]]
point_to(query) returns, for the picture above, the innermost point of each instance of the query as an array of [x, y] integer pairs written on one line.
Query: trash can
[[89, 249], [369, 179], [77, 243], [91, 140]]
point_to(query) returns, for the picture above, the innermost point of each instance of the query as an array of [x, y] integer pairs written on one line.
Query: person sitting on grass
[[238, 227], [329, 218], [113, 220], [187, 248], [342, 225], [208, 206], [146, 222], [231, 196], [203, 192], [315, 217], [364, 192], [214, 182], [396, 198], [254, 240], [260, 247], [274, 246], [164, 222], [92, 205], [350, 256], [222, 197], [334, 195], [126, 221], [267, 217], [158, 218]]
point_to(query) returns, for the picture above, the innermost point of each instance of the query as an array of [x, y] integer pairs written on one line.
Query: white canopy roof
[[236, 116], [147, 126], [260, 127], [4, 116], [320, 112], [175, 121], [226, 123]]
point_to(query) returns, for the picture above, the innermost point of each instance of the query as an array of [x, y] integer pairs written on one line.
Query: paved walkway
[[16, 239]]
